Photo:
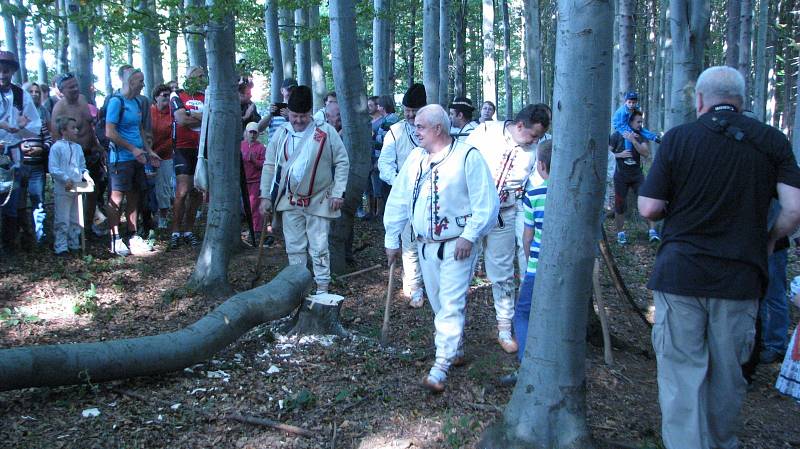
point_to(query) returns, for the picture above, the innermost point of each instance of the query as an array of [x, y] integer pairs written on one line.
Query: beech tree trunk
[[62, 44], [796, 128], [627, 26], [195, 39], [318, 84], [172, 41], [761, 63], [688, 22], [444, 52], [547, 409], [274, 49], [380, 48], [732, 34], [21, 44], [302, 47], [79, 49], [224, 133], [489, 71], [349, 83], [460, 72], [286, 28], [38, 45], [533, 51], [430, 49], [10, 30], [745, 37], [68, 364], [507, 62], [151, 52], [411, 51]]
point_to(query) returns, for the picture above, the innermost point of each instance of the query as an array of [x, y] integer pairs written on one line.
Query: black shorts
[[185, 161], [127, 176], [621, 187]]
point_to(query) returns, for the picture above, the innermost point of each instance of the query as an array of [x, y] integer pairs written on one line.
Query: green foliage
[[458, 431], [13, 317], [88, 302], [303, 400]]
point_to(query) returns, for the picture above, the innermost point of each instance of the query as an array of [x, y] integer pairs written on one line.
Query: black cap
[[301, 100], [415, 96], [289, 82], [462, 104]]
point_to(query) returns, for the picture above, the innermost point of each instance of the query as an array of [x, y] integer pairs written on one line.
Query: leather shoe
[[509, 345], [433, 386], [459, 360]]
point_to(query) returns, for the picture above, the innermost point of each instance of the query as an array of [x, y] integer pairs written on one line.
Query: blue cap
[[631, 96]]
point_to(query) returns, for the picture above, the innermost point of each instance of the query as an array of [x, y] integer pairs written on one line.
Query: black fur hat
[[415, 96], [301, 100]]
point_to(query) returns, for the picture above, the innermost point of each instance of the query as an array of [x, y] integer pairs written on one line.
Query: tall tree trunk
[[195, 39], [411, 51], [10, 29], [349, 83], [489, 71], [318, 84], [627, 26], [21, 44], [380, 48], [444, 51], [796, 128], [79, 49], [302, 47], [41, 64], [129, 36], [150, 50], [507, 62], [732, 34], [210, 274], [62, 45], [460, 72], [274, 48], [286, 32], [656, 113], [548, 406], [430, 49], [109, 87], [745, 45], [761, 63], [172, 40], [688, 21], [533, 51]]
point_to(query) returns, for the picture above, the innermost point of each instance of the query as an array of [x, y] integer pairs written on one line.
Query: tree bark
[[507, 62], [548, 406], [318, 83], [68, 364], [460, 72], [21, 44], [274, 49], [533, 51], [286, 31], [79, 49], [489, 70], [173, 49], [732, 34], [444, 52], [195, 38], [626, 47], [350, 88], [150, 51], [302, 47], [41, 64], [796, 128], [745, 38], [10, 29], [688, 22], [411, 51], [62, 45], [430, 49], [761, 63], [224, 133], [380, 48]]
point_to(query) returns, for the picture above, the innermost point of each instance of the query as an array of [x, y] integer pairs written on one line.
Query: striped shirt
[[533, 209]]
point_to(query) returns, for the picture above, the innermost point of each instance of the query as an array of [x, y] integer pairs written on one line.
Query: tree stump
[[318, 315]]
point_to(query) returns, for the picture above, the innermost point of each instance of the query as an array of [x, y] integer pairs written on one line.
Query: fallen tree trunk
[[67, 364]]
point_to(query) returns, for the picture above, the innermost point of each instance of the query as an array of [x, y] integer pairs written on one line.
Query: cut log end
[[318, 315]]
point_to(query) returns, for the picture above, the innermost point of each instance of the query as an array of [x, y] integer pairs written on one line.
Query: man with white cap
[[304, 178], [397, 145], [508, 147], [445, 192]]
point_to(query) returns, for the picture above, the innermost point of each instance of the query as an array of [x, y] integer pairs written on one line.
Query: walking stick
[[264, 225], [387, 307]]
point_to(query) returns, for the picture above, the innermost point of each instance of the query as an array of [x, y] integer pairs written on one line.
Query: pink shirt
[[253, 158]]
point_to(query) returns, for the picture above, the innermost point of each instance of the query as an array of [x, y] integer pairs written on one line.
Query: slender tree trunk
[[210, 274], [430, 49], [109, 87], [627, 26], [380, 48], [350, 88], [460, 72], [533, 51], [796, 128], [411, 53], [41, 64], [22, 44], [489, 71], [302, 47], [286, 28], [129, 36], [547, 409], [10, 29], [151, 53], [732, 34], [745, 45], [444, 52], [656, 114], [507, 62], [319, 85], [274, 48], [688, 21], [79, 49], [62, 45], [761, 63], [172, 40], [195, 38]]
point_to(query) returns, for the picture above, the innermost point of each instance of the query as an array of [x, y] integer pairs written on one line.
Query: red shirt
[[253, 158], [186, 137], [162, 132]]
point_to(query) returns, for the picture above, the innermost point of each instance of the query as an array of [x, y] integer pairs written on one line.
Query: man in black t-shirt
[[712, 181], [628, 175]]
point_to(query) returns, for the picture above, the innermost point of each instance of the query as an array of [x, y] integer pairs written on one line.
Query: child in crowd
[[789, 378], [253, 153], [67, 168], [533, 204], [621, 118]]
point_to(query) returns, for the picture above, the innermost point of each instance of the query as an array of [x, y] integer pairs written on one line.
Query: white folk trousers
[[446, 283], [66, 227], [498, 254], [412, 277], [305, 235]]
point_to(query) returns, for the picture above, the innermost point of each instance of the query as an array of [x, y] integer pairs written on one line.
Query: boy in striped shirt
[[533, 204]]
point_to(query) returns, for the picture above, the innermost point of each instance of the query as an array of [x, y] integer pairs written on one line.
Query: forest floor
[[349, 392]]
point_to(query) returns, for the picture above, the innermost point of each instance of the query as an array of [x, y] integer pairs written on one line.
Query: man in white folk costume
[[445, 192], [397, 145], [304, 179], [510, 152]]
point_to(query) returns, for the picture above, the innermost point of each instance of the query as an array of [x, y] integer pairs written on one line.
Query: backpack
[[100, 127]]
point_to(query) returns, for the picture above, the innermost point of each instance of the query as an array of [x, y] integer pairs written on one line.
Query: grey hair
[[720, 83], [436, 115], [127, 74]]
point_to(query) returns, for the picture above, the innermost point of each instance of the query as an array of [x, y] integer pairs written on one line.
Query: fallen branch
[[619, 284], [356, 273], [67, 364], [232, 416], [608, 355]]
